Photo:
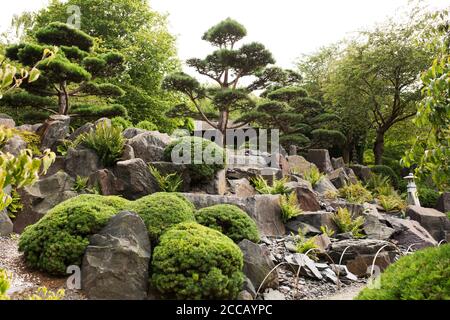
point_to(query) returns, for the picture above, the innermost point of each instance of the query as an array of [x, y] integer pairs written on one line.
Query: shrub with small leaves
[[121, 122], [197, 263], [147, 125], [347, 223], [230, 220], [355, 193], [289, 207]]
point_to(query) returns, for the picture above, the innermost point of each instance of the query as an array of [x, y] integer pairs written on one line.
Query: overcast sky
[[288, 28]]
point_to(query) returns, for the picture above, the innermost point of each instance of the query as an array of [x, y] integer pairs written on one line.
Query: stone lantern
[[413, 199]]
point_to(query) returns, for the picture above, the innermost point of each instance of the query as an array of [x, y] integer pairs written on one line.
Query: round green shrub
[[230, 220], [386, 171], [121, 122], [423, 275], [428, 197], [147, 125], [202, 165], [196, 262], [60, 238], [162, 210]]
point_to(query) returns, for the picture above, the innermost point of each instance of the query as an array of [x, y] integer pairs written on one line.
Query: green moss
[[161, 210], [196, 262], [424, 275], [61, 236], [203, 157], [230, 220]]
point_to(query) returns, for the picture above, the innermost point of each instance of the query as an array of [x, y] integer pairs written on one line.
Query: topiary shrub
[[386, 171], [147, 125], [196, 262], [428, 197], [230, 220], [423, 275], [121, 122], [162, 210], [60, 238], [203, 157]]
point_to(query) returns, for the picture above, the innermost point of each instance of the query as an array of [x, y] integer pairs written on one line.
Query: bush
[[196, 262], [355, 193], [121, 122], [106, 141], [147, 125], [386, 171], [230, 220], [423, 275], [428, 197], [201, 166], [60, 238], [161, 210]]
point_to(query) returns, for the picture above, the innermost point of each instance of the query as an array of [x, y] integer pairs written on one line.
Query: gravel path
[[25, 281]]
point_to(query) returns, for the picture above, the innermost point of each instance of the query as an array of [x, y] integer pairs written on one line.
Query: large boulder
[[339, 178], [374, 224], [299, 165], [362, 172], [218, 185], [116, 263], [314, 220], [436, 222], [85, 128], [134, 179], [269, 174], [14, 145], [338, 163], [242, 160], [325, 186], [258, 264], [6, 121], [264, 209], [409, 233], [321, 158], [149, 146], [241, 188], [307, 199], [39, 198], [443, 203], [82, 162], [130, 133], [6, 225], [55, 129]]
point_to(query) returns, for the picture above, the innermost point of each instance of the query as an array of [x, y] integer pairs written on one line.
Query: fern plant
[[313, 175], [355, 193], [5, 135], [303, 244], [80, 184], [4, 284], [16, 204], [347, 223], [289, 207], [167, 183], [392, 202], [327, 231], [278, 186], [107, 141]]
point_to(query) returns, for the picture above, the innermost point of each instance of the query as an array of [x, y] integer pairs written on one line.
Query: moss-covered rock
[[424, 275], [196, 262], [162, 210], [203, 157], [60, 238], [230, 220]]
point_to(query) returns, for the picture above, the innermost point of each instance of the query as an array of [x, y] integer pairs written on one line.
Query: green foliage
[[377, 184], [230, 220], [202, 157], [5, 135], [60, 238], [313, 175], [21, 171], [386, 171], [64, 146], [147, 125], [42, 293], [278, 186], [392, 202], [16, 204], [160, 211], [303, 244], [4, 284], [81, 184], [289, 207], [355, 193], [167, 183], [346, 223], [121, 122], [422, 275], [107, 141], [327, 231], [428, 197], [195, 262]]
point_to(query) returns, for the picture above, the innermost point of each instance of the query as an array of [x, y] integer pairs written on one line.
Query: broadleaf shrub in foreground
[[196, 262], [230, 220], [424, 275]]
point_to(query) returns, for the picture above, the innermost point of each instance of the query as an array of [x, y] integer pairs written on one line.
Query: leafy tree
[[225, 67], [431, 150], [140, 34], [74, 71]]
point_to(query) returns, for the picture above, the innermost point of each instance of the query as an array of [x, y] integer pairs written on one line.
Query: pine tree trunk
[[378, 147]]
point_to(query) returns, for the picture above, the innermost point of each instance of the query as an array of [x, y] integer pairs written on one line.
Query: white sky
[[288, 28]]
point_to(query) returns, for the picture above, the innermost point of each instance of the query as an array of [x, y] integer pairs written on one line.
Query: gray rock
[[55, 129], [6, 121], [85, 128], [239, 161], [339, 178], [434, 221], [362, 264], [134, 179], [264, 209], [299, 165], [321, 158], [149, 146], [306, 265], [269, 174], [307, 199], [325, 186], [25, 127], [245, 296], [409, 233], [58, 165], [241, 188], [443, 203], [130, 133], [293, 226], [39, 198], [338, 163], [258, 264], [103, 120], [128, 153], [274, 295], [357, 247], [82, 162], [316, 219], [14, 145], [116, 263], [373, 226], [249, 287], [362, 172], [6, 225], [216, 186]]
